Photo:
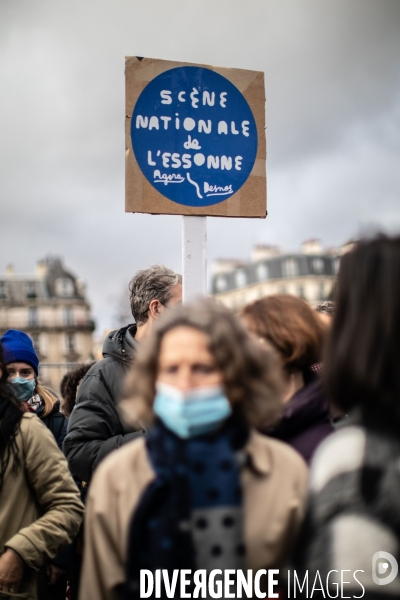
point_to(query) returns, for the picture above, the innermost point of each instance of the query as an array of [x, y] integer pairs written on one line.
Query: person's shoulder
[[30, 420], [130, 458], [100, 366], [100, 375], [55, 411], [278, 455], [102, 370], [278, 448], [28, 415], [341, 452], [32, 426], [25, 424]]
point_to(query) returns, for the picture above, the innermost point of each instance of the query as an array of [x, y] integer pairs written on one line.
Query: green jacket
[[40, 507]]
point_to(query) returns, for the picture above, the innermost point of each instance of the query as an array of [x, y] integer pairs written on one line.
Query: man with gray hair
[[151, 291], [94, 428]]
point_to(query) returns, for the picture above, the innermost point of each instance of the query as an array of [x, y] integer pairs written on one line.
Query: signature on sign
[[167, 178], [209, 189]]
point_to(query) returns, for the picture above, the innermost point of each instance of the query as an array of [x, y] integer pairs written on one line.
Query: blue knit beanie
[[18, 347]]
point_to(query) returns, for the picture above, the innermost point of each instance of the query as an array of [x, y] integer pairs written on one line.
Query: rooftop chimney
[[225, 265], [311, 247], [41, 269], [262, 251]]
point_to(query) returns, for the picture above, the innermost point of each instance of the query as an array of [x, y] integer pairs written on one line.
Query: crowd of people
[[204, 440]]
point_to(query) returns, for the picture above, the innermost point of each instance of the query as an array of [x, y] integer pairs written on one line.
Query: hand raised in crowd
[[11, 572]]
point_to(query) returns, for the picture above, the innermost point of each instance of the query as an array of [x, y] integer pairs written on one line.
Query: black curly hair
[[10, 417], [69, 385]]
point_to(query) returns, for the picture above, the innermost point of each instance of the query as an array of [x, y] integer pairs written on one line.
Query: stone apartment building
[[50, 305], [309, 274]]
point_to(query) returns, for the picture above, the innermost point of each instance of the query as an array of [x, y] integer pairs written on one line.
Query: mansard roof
[[284, 266], [52, 281]]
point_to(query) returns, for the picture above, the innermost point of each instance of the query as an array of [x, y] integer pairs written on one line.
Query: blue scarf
[[196, 490]]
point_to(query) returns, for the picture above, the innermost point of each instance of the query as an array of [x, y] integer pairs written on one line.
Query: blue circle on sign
[[194, 136]]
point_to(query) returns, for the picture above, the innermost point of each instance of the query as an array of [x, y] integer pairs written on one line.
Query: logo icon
[[380, 566]]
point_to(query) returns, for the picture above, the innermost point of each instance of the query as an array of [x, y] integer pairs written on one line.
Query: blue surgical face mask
[[191, 413], [24, 388]]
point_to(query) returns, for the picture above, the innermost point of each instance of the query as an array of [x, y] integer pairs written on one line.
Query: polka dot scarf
[[190, 516]]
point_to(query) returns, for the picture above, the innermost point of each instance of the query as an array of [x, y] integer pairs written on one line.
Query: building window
[[290, 267], [282, 290], [68, 316], [2, 290], [33, 319], [35, 337], [322, 291], [241, 278], [318, 265], [70, 342], [262, 272], [221, 284], [30, 289], [336, 264], [64, 287]]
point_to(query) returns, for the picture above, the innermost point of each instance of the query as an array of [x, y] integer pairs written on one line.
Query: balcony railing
[[42, 323]]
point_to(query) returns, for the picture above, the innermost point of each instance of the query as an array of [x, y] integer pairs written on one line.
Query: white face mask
[[194, 412]]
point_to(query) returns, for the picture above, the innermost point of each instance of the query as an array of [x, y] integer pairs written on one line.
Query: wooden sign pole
[[194, 257]]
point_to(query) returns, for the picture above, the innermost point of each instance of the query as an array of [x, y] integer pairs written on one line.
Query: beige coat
[[274, 483], [40, 507]]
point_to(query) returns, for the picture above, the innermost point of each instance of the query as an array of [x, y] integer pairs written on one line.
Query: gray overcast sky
[[332, 71]]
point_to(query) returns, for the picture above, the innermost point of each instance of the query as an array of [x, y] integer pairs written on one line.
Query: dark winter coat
[[94, 427], [306, 420], [57, 422]]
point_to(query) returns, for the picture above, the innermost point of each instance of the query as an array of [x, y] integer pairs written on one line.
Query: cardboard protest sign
[[195, 139]]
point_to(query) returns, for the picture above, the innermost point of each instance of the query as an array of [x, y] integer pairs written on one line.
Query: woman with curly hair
[[204, 490], [40, 508]]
